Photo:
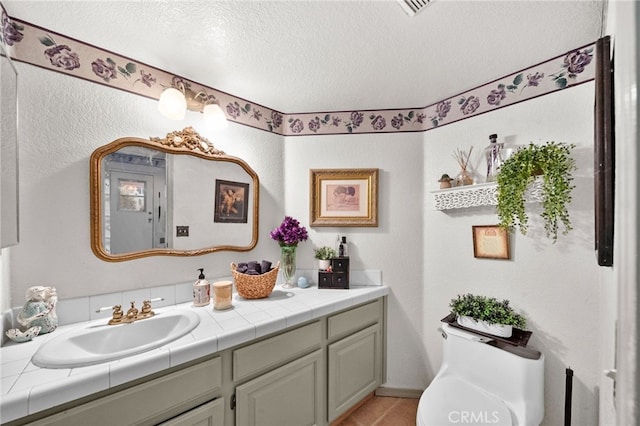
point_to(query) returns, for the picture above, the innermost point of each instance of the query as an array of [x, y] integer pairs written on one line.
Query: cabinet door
[[287, 396], [147, 403], [355, 369], [208, 414]]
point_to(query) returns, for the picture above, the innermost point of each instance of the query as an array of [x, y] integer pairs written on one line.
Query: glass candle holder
[[222, 291]]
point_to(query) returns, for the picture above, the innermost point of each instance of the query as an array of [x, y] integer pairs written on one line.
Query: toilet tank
[[512, 373]]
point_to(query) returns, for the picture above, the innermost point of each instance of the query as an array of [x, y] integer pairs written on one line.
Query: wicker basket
[[255, 286]]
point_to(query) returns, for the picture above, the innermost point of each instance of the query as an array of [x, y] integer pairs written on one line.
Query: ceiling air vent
[[413, 6]]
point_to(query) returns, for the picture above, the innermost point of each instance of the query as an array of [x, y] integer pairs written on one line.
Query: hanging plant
[[553, 161]]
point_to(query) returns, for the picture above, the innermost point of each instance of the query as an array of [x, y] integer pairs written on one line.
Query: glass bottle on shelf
[[493, 155]]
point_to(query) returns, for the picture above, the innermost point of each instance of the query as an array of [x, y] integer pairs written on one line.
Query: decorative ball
[[303, 282]]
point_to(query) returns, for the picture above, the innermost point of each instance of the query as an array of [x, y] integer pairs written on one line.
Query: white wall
[[622, 24], [555, 285], [58, 133], [395, 246], [425, 256], [5, 291]]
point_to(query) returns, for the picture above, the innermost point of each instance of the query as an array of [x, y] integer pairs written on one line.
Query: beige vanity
[[308, 373]]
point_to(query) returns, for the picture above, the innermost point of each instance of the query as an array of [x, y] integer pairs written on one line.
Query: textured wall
[[426, 256], [556, 285], [56, 139]]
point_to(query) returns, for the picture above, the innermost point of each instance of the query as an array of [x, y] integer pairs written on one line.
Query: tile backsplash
[[81, 309]]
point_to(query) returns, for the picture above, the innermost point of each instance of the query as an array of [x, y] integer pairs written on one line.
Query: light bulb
[[172, 104], [215, 117]]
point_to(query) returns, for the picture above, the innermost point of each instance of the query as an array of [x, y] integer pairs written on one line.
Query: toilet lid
[[453, 401]]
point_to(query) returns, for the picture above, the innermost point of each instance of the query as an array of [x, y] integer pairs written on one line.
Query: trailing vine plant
[[554, 162]]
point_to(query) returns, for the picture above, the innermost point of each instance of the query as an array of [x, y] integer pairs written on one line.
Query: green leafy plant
[[489, 309], [554, 162], [325, 253]]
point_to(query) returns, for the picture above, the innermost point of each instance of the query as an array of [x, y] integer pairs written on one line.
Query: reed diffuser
[[465, 177]]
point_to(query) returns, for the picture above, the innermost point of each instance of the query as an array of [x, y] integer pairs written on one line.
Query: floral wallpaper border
[[49, 50]]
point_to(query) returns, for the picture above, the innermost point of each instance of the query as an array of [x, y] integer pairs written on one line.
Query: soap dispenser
[[201, 290], [343, 248]]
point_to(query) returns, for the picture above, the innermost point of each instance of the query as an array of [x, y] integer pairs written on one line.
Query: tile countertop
[[28, 389]]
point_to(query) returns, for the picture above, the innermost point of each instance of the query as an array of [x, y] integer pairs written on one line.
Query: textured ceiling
[[303, 56]]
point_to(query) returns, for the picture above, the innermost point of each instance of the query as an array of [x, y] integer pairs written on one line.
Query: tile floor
[[383, 411]]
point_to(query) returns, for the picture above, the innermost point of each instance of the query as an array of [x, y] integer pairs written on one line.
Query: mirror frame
[[185, 142]]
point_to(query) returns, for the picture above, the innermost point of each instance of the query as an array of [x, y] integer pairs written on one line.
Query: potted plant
[[486, 314], [324, 256], [554, 163]]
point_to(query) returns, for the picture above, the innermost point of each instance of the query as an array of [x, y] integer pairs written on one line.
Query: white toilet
[[483, 382]]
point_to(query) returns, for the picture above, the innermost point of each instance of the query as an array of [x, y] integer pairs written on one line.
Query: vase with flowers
[[288, 235]]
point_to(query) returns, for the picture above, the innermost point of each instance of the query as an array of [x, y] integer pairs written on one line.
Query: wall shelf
[[482, 194]]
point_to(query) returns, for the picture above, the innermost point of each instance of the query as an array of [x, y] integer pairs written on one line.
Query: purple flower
[[10, 31], [534, 80], [63, 57], [378, 123], [496, 96], [105, 70], [443, 108], [233, 109], [289, 233], [314, 124], [470, 105], [257, 114], [297, 126], [576, 61], [147, 78], [397, 121], [356, 118], [276, 119], [335, 121], [420, 118]]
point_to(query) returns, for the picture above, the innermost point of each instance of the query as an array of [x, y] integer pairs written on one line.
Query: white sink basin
[[93, 345]]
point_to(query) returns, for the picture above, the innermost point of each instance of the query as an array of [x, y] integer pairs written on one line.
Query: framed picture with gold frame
[[490, 242], [343, 197]]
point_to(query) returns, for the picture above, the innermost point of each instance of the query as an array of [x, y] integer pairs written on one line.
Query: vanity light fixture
[[175, 101]]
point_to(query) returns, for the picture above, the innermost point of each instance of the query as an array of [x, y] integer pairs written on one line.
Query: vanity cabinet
[[289, 395], [355, 358], [154, 401], [285, 372], [308, 374], [209, 414]]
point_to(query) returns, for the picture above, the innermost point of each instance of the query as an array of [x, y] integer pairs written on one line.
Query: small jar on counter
[[222, 292]]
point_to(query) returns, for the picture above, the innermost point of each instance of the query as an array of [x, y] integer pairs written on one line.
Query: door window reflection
[[131, 195]]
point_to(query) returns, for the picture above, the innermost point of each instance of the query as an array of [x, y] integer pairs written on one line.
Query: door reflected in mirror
[[168, 197]]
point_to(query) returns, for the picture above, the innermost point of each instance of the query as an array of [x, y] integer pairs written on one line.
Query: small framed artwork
[[232, 200], [491, 242], [343, 197]]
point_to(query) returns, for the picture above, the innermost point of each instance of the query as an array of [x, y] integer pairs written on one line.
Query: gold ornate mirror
[[176, 196]]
